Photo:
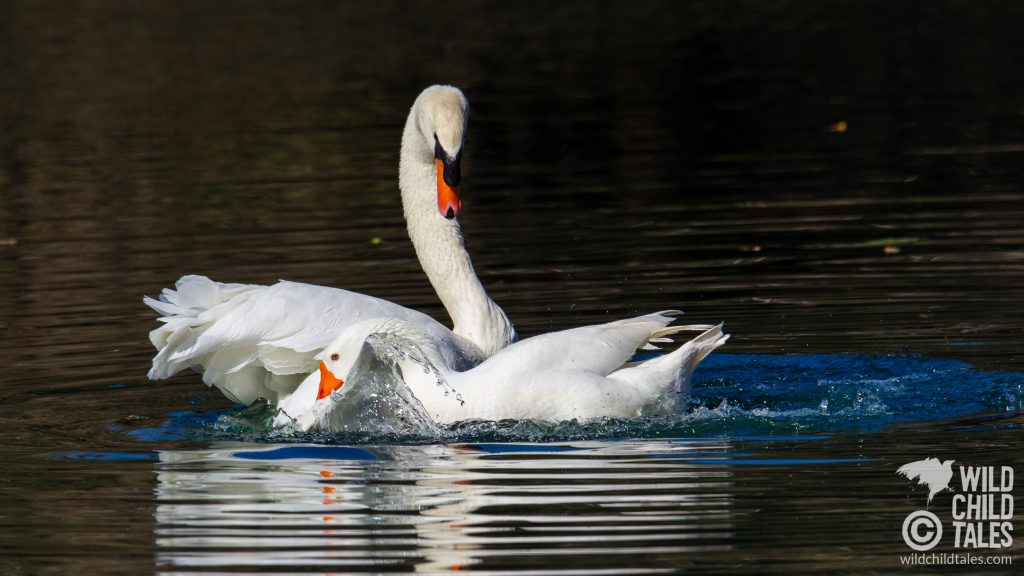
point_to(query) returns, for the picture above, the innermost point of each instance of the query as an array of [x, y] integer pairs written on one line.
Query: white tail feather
[[673, 372], [660, 336]]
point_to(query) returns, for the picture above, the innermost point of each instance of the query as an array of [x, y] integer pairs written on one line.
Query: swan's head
[[342, 355], [441, 113]]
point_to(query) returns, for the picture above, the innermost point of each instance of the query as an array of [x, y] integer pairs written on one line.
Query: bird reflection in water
[[581, 508]]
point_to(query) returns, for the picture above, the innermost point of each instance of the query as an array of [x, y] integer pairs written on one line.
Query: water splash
[[375, 398], [733, 395], [825, 392]]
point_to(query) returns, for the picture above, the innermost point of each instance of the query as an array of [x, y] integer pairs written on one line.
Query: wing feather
[[248, 340], [601, 348]]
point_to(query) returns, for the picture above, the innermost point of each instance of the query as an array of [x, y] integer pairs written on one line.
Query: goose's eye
[[334, 357]]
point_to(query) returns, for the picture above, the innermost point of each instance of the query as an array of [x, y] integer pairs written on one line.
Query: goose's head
[[439, 116], [339, 358], [343, 354]]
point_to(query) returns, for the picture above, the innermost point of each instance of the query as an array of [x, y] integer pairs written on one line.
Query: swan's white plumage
[[259, 341]]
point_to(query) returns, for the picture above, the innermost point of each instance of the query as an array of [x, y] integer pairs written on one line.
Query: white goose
[[260, 341], [572, 374]]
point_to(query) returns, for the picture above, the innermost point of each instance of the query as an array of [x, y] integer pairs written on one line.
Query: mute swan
[[572, 374], [260, 341]]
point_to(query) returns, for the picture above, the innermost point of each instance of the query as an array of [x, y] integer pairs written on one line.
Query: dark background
[[822, 176], [745, 161]]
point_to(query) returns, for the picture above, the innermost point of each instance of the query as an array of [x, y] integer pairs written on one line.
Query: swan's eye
[[334, 357]]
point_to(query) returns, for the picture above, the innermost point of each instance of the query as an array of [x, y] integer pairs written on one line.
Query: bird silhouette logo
[[930, 472]]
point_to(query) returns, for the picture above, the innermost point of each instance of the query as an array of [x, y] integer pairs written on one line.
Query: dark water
[[839, 182]]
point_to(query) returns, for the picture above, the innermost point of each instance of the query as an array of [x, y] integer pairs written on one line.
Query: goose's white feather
[[572, 374]]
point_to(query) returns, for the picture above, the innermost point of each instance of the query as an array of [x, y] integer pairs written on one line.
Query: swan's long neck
[[442, 252]]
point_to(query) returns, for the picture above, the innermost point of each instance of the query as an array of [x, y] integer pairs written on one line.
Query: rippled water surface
[[840, 183]]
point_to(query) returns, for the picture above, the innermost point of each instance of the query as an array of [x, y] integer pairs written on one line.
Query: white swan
[[572, 374], [260, 341]]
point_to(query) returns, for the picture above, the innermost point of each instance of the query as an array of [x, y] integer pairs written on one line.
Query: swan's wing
[[254, 341], [600, 348]]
